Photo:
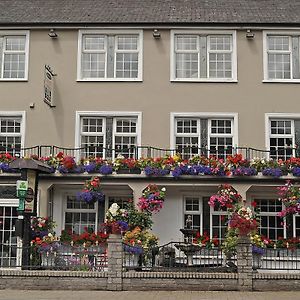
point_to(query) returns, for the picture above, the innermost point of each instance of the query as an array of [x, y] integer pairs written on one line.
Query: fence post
[[244, 264], [115, 263]]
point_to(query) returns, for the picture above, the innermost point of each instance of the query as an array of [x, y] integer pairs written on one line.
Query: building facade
[[217, 76]]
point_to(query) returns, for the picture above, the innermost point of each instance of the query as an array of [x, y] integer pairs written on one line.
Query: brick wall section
[[276, 282], [244, 264], [179, 281], [115, 263], [52, 280]]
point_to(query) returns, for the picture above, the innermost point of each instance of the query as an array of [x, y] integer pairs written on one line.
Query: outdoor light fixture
[[52, 34], [156, 34], [249, 34]]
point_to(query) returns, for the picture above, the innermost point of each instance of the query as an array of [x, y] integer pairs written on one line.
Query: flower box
[[129, 171]]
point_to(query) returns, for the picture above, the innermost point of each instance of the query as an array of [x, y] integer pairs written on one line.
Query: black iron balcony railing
[[149, 151]]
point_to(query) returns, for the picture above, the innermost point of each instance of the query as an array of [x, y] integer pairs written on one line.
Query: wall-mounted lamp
[[52, 34], [249, 34], [156, 34]]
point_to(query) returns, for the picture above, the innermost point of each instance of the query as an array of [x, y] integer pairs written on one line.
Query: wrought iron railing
[[149, 151], [277, 259], [178, 256], [56, 256]]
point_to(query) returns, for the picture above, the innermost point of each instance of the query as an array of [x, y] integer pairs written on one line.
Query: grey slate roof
[[70, 12]]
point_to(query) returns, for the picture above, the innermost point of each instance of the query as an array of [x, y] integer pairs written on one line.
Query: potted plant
[[124, 165], [91, 191]]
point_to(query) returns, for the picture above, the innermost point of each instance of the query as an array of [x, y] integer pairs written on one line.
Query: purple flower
[[296, 171], [90, 168], [106, 169], [258, 250], [243, 171], [63, 169], [177, 172], [133, 249], [123, 225], [152, 171], [275, 172]]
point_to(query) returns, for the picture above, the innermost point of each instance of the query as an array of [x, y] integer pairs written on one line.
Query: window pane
[[220, 42], [14, 66], [188, 42], [15, 43], [127, 65], [187, 65], [220, 65], [91, 42], [280, 43], [127, 42], [93, 65], [279, 66]]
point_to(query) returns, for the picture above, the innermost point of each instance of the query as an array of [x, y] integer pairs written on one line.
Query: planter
[[129, 171]]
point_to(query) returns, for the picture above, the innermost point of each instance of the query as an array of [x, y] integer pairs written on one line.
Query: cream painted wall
[[155, 97]]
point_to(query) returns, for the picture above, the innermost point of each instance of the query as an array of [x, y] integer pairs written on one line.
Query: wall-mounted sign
[[30, 195], [22, 186], [49, 86]]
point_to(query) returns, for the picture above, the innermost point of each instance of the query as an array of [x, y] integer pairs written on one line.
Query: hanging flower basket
[[152, 199], [91, 192]]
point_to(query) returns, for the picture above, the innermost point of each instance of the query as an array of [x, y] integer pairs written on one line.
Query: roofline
[[161, 25], [204, 25]]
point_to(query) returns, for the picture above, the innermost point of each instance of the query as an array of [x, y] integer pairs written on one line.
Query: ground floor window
[[193, 210], [218, 220], [271, 225], [79, 215]]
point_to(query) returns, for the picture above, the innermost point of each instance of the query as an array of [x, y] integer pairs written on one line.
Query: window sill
[[13, 79], [281, 81], [206, 80], [109, 80]]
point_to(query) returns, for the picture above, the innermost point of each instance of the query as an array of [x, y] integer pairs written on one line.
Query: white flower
[[114, 209], [163, 189], [50, 235]]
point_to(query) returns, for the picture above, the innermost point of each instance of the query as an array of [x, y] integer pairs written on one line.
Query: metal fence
[[177, 256], [149, 151], [277, 259], [56, 256]]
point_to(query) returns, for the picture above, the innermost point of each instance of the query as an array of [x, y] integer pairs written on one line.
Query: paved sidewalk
[[84, 295]]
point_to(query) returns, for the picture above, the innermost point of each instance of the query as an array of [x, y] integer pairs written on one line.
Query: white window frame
[[199, 33], [277, 116], [107, 33], [7, 33], [189, 212], [78, 210], [16, 114], [265, 55], [114, 114], [129, 134], [221, 135], [203, 115], [81, 133], [268, 197], [294, 224], [214, 212]]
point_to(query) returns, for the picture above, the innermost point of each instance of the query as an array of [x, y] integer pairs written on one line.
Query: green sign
[[22, 186], [21, 206]]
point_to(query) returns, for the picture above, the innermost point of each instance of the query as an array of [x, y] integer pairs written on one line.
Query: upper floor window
[[110, 56], [13, 56], [109, 135], [203, 135], [11, 130], [203, 56], [282, 57], [283, 136]]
